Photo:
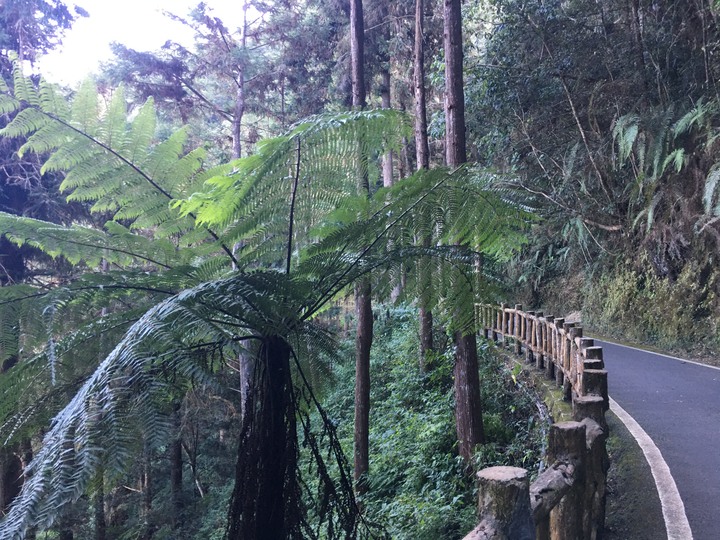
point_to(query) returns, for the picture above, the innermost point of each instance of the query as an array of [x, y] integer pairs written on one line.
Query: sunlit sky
[[139, 24]]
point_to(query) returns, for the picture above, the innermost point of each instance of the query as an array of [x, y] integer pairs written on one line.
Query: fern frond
[[110, 157], [624, 133]]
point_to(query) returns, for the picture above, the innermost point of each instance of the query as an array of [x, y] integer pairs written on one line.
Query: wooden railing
[[567, 500]]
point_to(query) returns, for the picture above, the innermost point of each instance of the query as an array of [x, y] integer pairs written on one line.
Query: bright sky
[[139, 24]]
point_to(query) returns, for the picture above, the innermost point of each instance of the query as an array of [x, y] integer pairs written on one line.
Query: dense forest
[[237, 279]]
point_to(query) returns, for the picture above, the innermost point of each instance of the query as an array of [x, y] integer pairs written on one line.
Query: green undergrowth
[[419, 487], [672, 314]]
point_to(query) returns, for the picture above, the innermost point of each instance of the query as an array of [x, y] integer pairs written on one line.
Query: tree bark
[[362, 384], [11, 477], [357, 54], [239, 108], [363, 290], [468, 407], [468, 411], [422, 154], [265, 503], [422, 149], [455, 147], [146, 481]]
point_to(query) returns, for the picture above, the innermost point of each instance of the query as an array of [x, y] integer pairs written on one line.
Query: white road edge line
[[673, 509], [660, 354]]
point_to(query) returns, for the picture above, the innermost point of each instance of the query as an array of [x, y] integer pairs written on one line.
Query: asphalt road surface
[[677, 403]]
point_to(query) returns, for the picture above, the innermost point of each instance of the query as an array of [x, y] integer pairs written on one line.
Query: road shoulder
[[633, 505]]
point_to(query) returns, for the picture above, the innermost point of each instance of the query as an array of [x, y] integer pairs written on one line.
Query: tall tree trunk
[[455, 147], [357, 54], [239, 108], [422, 154], [363, 343], [422, 149], [468, 412], [363, 290], [176, 467], [387, 162], [265, 503]]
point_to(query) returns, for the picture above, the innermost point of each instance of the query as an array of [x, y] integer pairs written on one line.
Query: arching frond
[[311, 170], [110, 157], [120, 403]]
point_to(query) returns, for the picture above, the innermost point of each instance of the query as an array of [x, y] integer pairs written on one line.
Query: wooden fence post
[[518, 328], [504, 324], [549, 349], [571, 365], [566, 443], [539, 358], [503, 505], [559, 350], [529, 333]]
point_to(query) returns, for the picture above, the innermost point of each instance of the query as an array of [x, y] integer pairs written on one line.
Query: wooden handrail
[[576, 450], [555, 346]]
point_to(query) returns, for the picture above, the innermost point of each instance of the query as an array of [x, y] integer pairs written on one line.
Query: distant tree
[[33, 27], [254, 81]]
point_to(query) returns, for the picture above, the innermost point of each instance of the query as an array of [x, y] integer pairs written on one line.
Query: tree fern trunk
[[11, 477], [26, 456], [468, 412], [468, 408], [265, 503]]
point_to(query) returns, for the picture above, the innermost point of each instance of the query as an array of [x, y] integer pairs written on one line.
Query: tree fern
[[302, 238]]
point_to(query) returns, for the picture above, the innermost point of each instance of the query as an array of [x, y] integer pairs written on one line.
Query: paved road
[[678, 404]]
